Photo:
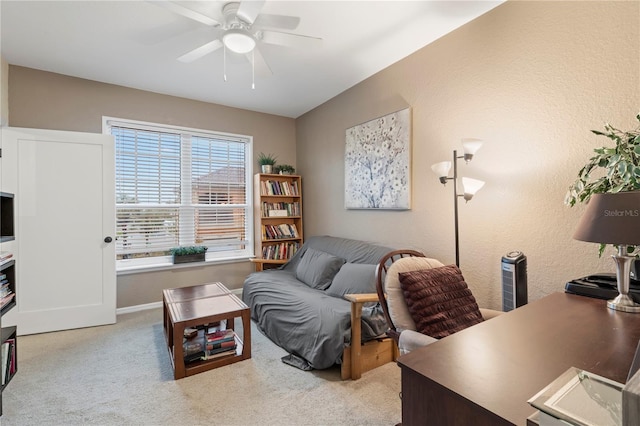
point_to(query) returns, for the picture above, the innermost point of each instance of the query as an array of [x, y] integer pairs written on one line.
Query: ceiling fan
[[242, 29]]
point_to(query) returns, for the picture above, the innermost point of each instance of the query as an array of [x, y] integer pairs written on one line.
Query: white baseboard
[[137, 308], [155, 305]]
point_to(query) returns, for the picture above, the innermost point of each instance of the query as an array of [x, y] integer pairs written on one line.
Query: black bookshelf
[[8, 335], [7, 231]]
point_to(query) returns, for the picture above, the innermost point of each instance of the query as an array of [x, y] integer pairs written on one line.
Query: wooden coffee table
[[198, 306]]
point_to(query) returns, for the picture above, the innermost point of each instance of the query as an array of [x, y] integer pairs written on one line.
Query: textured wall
[[531, 79], [4, 91], [4, 84]]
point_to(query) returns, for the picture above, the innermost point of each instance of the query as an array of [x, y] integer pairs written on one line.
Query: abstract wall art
[[378, 163]]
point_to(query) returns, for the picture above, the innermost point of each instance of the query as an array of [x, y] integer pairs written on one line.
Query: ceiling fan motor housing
[[231, 18]]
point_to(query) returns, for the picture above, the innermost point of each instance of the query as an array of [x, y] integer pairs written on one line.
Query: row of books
[[6, 300], [7, 360], [273, 209], [208, 346], [276, 187], [280, 251], [278, 232], [5, 257], [6, 295]]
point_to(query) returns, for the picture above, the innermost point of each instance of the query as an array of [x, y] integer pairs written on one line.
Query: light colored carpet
[[121, 375]]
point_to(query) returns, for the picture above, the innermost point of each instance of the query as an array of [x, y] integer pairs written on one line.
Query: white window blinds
[[176, 187]]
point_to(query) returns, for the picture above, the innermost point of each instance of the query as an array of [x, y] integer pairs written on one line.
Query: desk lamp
[[614, 219]]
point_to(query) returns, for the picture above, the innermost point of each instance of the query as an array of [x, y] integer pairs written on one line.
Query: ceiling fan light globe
[[238, 41]]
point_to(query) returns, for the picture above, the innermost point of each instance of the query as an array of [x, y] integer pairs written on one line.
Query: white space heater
[[514, 280]]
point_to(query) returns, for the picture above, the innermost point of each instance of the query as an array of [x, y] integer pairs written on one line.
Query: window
[[177, 187]]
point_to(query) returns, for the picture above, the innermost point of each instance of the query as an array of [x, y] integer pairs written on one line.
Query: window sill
[[168, 266]]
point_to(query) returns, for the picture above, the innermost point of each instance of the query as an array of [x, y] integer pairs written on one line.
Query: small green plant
[[187, 250], [621, 166], [266, 159], [611, 170], [286, 168]]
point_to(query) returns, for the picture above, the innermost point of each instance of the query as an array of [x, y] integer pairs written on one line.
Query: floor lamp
[[469, 186]]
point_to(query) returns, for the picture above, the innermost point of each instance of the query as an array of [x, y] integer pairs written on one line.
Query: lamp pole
[[455, 204], [470, 186]]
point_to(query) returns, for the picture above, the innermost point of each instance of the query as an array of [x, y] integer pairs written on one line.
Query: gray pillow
[[353, 278], [317, 268]]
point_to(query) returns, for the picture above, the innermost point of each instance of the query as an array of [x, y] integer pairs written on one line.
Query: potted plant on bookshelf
[[610, 170], [266, 162], [188, 254], [286, 169]]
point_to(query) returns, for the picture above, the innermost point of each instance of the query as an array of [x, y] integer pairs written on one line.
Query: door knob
[[108, 239]]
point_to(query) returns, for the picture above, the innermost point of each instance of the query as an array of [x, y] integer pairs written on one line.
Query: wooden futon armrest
[[357, 301], [362, 298]]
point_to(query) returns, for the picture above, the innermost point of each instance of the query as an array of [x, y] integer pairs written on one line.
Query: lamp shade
[[441, 169], [471, 145], [611, 219], [471, 186]]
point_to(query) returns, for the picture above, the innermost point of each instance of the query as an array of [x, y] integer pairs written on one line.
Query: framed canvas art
[[377, 163]]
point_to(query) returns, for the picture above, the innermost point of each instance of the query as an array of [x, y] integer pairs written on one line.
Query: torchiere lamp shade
[[611, 219]]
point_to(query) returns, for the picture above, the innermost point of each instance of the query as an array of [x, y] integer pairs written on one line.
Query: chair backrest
[[389, 290]]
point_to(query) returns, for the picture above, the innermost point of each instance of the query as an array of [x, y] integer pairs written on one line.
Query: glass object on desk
[[579, 397]]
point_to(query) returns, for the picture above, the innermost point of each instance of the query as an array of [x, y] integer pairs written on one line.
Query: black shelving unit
[[8, 335], [6, 217]]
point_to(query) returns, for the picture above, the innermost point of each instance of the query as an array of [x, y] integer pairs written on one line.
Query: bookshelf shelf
[[278, 219]]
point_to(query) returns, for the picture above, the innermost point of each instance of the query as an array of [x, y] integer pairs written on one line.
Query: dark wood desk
[[485, 374]]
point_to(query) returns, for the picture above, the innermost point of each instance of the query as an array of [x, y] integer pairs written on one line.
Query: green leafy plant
[[187, 250], [621, 165], [266, 159], [286, 168], [610, 170]]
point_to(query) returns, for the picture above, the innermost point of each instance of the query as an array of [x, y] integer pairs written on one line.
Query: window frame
[[124, 266]]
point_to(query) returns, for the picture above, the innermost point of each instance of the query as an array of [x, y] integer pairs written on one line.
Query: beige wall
[[531, 79], [4, 92], [45, 100], [4, 84]]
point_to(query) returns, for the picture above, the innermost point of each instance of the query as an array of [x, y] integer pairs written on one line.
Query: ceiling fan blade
[[186, 12], [249, 10], [201, 51], [291, 40], [260, 64], [277, 21]]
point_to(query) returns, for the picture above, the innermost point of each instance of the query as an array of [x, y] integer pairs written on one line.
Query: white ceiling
[[136, 43]]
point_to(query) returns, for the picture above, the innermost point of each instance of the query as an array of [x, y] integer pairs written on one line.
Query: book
[[5, 255], [278, 213], [220, 340], [222, 349], [6, 300], [217, 334], [221, 345], [4, 354], [14, 366], [226, 352], [10, 355]]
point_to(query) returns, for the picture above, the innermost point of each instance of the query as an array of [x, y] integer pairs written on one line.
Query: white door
[[65, 216]]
